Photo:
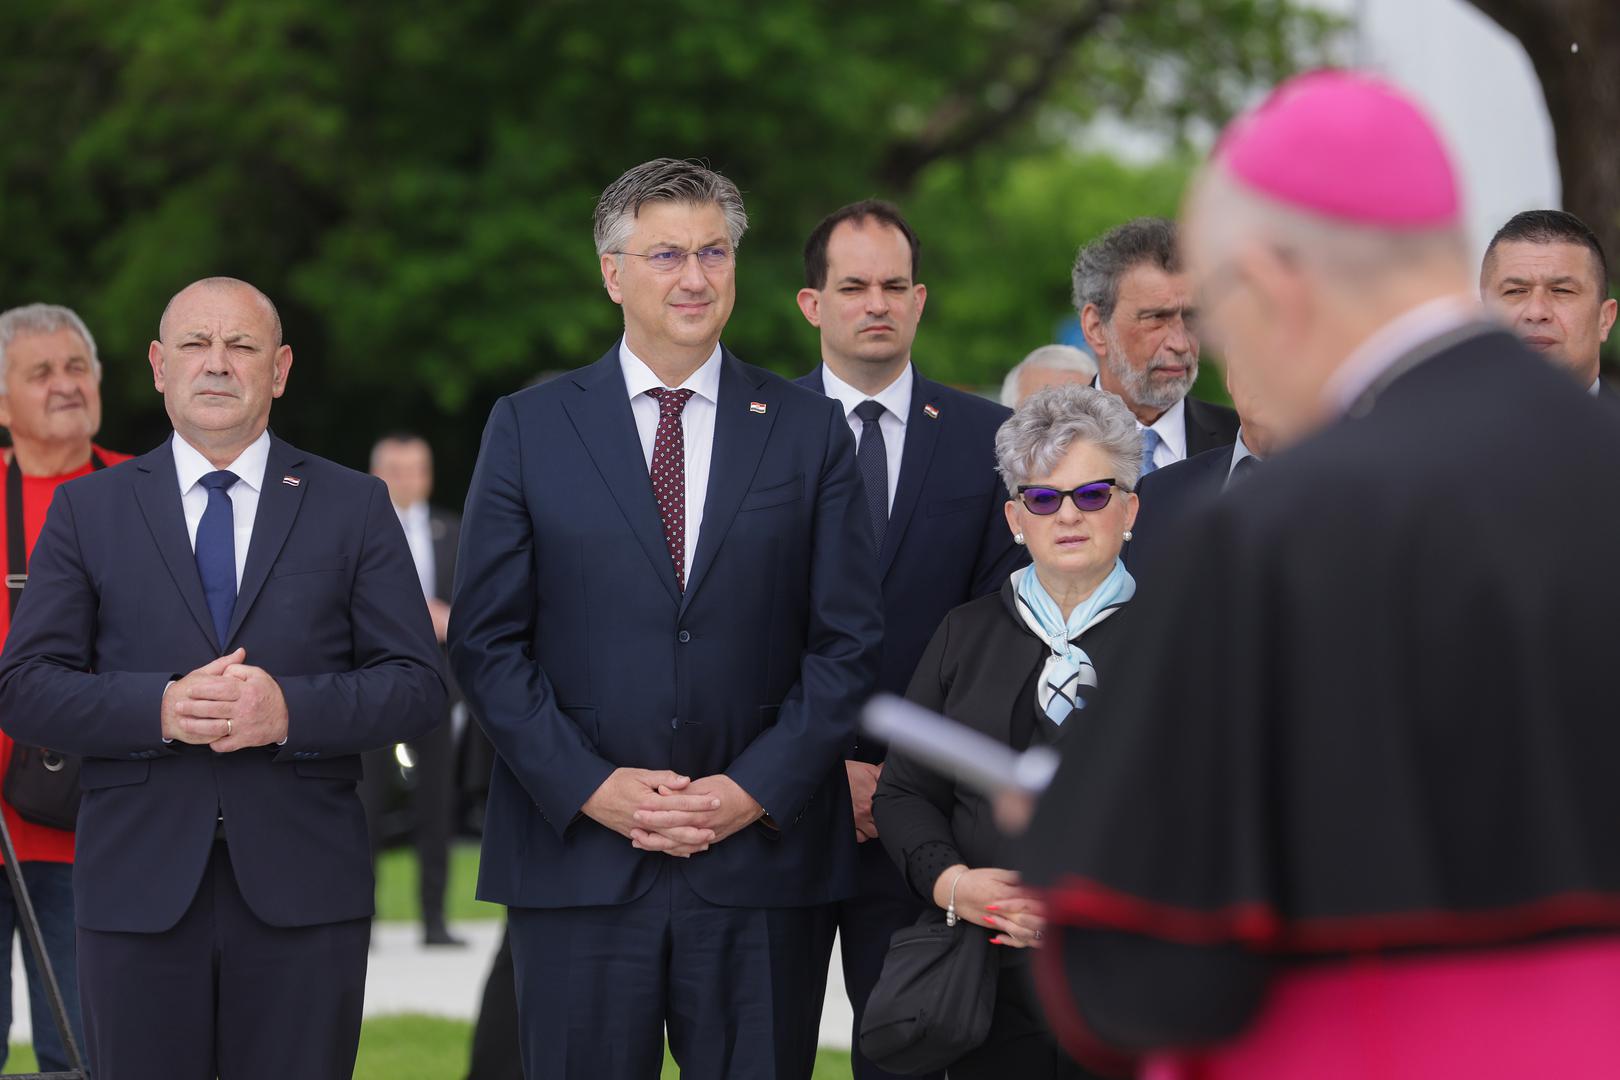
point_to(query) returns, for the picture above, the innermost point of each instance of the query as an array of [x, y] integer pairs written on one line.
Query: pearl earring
[[1127, 535], [1018, 538]]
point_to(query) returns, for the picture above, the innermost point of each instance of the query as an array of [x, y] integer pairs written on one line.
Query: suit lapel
[[739, 443], [602, 418], [278, 506], [922, 435], [157, 490]]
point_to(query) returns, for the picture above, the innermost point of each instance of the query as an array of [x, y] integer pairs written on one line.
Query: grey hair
[[1100, 265], [1047, 358], [1037, 436], [41, 319], [664, 180]]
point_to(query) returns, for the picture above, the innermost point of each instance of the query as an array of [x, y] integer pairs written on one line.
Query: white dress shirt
[[418, 528], [190, 466], [896, 401], [697, 427], [1597, 385], [1240, 450], [1171, 427]]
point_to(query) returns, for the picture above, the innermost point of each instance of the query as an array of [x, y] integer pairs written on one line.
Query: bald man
[[1348, 808], [221, 627]]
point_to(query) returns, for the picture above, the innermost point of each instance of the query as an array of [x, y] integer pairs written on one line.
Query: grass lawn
[[396, 885], [431, 1048]]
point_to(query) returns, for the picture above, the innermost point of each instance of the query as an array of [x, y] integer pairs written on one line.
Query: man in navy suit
[[926, 455], [1136, 312], [666, 613], [1168, 496], [221, 627]]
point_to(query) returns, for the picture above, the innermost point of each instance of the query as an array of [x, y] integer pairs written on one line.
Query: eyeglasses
[[1044, 501], [673, 260]]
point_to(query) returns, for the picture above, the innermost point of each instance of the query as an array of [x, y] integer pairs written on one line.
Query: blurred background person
[[50, 405], [1173, 492], [1049, 365], [930, 489], [404, 462], [1020, 665], [1137, 313], [1360, 821], [1546, 276]]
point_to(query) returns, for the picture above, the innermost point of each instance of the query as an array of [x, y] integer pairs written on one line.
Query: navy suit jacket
[[947, 540], [1166, 496], [579, 654], [329, 604]]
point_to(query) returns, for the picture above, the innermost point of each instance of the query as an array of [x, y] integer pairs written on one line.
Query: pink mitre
[[1344, 145]]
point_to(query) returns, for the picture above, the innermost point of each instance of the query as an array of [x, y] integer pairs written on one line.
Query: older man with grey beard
[[1136, 311]]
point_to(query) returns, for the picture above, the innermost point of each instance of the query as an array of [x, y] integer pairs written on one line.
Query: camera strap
[[17, 532]]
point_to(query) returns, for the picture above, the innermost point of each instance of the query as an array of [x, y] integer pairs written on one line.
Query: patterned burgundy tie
[[669, 475]]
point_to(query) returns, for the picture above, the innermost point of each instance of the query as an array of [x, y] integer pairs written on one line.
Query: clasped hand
[[997, 899], [225, 705], [659, 810]]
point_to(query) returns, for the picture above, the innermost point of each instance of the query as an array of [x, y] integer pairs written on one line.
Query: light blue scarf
[[1068, 673]]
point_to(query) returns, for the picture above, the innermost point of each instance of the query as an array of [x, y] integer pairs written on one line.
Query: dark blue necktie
[[216, 551], [872, 457]]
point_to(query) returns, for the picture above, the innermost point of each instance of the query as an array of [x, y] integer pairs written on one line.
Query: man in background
[[405, 463], [50, 404], [1545, 274], [1049, 365], [1137, 314]]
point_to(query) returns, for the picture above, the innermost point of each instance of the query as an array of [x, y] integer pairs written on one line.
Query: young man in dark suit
[[932, 498], [221, 627], [666, 615], [1137, 314]]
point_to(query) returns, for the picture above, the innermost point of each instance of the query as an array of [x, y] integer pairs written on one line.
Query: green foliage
[[413, 182]]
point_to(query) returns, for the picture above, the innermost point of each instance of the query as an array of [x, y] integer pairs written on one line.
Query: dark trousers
[[1019, 1044], [737, 988], [432, 801], [495, 1036], [50, 887], [224, 994], [864, 924]]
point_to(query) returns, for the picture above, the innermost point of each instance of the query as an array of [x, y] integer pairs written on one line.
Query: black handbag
[[41, 785], [933, 1001]]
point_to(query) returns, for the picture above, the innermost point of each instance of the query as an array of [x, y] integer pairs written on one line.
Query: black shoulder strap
[[17, 532]]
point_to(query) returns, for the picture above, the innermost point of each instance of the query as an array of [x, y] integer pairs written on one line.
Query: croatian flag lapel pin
[[931, 411], [757, 407], [291, 481]]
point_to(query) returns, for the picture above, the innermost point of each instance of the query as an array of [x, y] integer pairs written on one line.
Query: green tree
[[413, 182]]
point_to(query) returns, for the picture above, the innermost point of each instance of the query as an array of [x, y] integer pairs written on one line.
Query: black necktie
[[216, 551], [872, 458]]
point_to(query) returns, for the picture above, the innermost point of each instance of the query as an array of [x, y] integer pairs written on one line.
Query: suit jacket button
[[684, 636], [675, 723]]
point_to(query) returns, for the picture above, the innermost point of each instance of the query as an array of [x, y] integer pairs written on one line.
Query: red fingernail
[[992, 907], [989, 918], [996, 941]]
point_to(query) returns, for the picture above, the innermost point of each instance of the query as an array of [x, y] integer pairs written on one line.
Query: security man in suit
[[666, 613], [221, 627], [1137, 315], [926, 455]]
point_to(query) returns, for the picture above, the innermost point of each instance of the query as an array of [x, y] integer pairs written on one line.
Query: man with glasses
[[928, 477], [667, 610], [1137, 315]]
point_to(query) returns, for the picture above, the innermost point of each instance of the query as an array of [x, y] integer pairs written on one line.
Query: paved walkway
[[406, 977]]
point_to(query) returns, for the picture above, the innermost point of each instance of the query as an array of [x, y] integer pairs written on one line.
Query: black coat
[[1208, 426], [1165, 499]]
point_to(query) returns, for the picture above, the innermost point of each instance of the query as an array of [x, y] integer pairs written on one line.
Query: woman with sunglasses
[[1020, 665]]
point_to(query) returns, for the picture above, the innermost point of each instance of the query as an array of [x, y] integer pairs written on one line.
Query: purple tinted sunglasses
[[1043, 501]]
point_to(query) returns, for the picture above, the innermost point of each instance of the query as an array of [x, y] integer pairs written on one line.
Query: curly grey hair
[[42, 319], [1035, 438], [664, 180], [1101, 264]]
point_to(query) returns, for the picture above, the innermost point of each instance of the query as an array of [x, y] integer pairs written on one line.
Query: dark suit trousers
[[432, 806], [738, 988], [495, 1035], [224, 994], [864, 923]]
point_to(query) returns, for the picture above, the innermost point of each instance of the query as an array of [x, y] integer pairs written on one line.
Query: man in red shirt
[[50, 402]]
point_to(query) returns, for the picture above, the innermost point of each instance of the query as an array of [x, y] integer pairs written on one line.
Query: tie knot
[[1150, 440], [869, 411], [670, 401], [219, 481]]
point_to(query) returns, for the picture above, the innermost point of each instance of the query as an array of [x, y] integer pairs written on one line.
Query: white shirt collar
[[249, 466], [1389, 343], [415, 514], [639, 378], [1171, 424], [1240, 450], [896, 397], [1597, 385]]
